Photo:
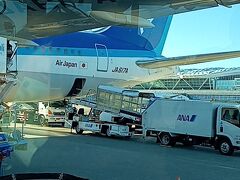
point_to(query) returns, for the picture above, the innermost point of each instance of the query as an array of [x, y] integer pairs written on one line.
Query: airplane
[[72, 64], [24, 20]]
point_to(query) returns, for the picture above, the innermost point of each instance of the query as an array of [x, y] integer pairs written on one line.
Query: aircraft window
[[43, 50], [65, 51]]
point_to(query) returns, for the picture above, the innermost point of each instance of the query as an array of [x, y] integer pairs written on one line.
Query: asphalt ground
[[97, 157]]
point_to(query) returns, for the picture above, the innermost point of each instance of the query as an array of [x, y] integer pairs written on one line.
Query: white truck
[[104, 124], [52, 113], [193, 123]]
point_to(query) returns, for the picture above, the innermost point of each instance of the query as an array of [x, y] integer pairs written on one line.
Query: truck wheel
[[41, 120], [225, 147], [78, 130], [63, 124], [166, 139], [108, 134]]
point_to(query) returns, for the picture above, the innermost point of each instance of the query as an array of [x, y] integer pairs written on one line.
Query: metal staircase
[[126, 103], [89, 100]]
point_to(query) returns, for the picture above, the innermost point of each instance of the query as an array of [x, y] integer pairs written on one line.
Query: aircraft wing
[[32, 19], [186, 60]]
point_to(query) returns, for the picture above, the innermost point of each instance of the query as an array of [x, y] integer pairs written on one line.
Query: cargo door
[[102, 57]]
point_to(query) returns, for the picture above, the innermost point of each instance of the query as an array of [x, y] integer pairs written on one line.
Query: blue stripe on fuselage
[[61, 51]]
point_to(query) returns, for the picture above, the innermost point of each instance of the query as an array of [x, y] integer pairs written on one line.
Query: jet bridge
[[8, 66]]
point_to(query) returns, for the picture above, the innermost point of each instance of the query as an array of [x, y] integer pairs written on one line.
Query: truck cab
[[52, 113], [228, 128]]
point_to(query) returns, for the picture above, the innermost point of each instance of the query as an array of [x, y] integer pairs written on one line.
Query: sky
[[205, 31]]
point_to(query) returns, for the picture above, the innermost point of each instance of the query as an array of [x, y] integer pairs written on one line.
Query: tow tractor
[[104, 124]]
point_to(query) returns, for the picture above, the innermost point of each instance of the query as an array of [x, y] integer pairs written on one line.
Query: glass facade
[[205, 79], [225, 85]]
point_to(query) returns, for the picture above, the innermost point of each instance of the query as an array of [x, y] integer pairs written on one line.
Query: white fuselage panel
[[51, 77]]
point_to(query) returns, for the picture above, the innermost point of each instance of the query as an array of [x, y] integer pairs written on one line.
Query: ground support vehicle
[[83, 123], [52, 113], [193, 123]]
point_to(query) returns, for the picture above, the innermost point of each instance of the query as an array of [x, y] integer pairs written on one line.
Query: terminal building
[[208, 84]]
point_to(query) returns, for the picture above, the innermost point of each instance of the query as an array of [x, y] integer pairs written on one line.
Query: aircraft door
[[102, 57]]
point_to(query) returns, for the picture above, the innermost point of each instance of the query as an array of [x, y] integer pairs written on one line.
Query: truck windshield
[[231, 115], [56, 104]]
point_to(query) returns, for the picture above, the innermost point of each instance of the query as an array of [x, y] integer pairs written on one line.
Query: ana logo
[[184, 117]]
